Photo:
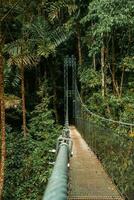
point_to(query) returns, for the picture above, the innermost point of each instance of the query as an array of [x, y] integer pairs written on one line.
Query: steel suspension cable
[[98, 116], [99, 139]]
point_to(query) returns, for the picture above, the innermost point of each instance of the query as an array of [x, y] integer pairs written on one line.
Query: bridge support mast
[[66, 92], [73, 63], [69, 62]]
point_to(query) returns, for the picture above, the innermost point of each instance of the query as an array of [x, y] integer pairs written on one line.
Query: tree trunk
[[2, 131], [55, 100], [129, 39], [79, 45], [23, 99], [0, 113], [55, 105], [103, 71], [113, 67], [94, 62], [122, 79]]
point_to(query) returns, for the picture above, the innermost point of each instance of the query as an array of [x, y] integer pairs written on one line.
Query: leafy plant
[[28, 159]]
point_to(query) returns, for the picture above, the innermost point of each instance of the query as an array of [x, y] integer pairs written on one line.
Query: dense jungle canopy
[[35, 37]]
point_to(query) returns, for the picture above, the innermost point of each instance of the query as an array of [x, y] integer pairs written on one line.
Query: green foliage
[[38, 123], [61, 5], [113, 143], [28, 159], [128, 63], [105, 17], [37, 30], [20, 50], [11, 79], [46, 37], [90, 78], [114, 146]]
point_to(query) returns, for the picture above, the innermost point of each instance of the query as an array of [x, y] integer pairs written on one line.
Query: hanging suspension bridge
[[79, 172]]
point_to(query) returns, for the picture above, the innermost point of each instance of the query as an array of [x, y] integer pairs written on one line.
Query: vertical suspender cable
[[66, 91], [73, 63], [57, 188]]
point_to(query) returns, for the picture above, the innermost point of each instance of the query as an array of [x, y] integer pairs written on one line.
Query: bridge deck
[[88, 179]]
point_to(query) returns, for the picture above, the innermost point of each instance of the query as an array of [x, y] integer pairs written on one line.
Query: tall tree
[[2, 126], [105, 21], [21, 56]]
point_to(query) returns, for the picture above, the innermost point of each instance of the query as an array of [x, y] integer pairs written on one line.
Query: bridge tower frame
[[69, 62]]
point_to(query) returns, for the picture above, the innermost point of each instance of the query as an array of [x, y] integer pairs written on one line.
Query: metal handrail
[[57, 187]]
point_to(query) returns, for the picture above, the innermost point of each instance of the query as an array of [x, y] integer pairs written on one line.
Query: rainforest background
[[35, 37]]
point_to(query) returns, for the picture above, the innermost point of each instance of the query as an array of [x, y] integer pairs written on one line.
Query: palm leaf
[[56, 7], [46, 38], [11, 77], [19, 52]]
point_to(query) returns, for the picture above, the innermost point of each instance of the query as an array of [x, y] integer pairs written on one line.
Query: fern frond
[[19, 52], [56, 7]]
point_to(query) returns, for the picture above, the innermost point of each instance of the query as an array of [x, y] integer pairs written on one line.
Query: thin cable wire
[[98, 116], [93, 139]]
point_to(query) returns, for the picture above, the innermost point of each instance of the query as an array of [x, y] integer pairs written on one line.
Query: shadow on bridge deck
[[88, 179]]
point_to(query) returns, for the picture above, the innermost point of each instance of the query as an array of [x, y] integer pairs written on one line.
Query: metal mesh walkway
[[88, 179]]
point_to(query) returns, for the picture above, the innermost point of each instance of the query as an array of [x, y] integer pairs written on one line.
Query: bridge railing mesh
[[112, 143]]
